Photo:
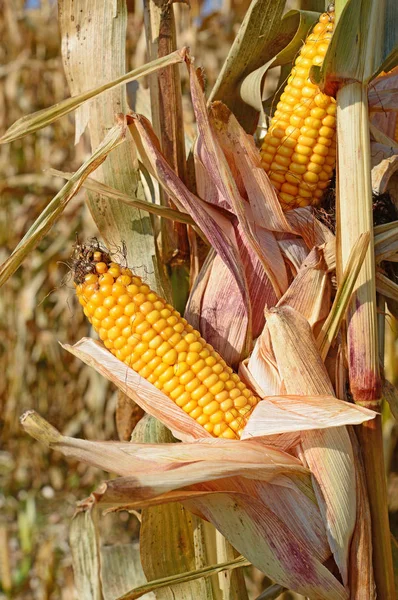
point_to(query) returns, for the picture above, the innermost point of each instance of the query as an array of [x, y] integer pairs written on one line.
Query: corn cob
[[299, 150], [151, 337]]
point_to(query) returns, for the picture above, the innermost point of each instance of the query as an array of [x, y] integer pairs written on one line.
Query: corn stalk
[[167, 118], [354, 69]]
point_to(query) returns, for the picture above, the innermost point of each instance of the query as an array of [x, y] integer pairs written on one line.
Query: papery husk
[[383, 102], [384, 169], [292, 558], [168, 528], [215, 223], [225, 328], [153, 401], [184, 464], [327, 452], [310, 291]]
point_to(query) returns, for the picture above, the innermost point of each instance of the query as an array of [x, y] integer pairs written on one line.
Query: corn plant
[[247, 454]]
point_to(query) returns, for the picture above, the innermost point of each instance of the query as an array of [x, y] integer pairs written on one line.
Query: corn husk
[[243, 518]]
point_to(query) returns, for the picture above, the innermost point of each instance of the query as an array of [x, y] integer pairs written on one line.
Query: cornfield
[[199, 336]]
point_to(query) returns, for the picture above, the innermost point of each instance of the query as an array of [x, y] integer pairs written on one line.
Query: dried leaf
[[86, 557], [390, 393], [173, 580], [361, 578], [121, 570], [105, 190], [343, 296], [310, 291], [42, 118], [288, 413], [83, 41], [54, 209]]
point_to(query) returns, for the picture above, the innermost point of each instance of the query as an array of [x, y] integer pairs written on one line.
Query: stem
[[354, 206], [167, 119]]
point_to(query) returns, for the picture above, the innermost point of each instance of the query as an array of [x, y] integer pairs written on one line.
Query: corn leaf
[[357, 51], [154, 586], [54, 209], [297, 22], [343, 296], [262, 35], [105, 190], [46, 116]]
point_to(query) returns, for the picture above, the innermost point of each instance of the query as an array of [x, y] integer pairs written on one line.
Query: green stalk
[[354, 212]]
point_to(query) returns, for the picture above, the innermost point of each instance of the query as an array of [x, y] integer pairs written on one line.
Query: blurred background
[[38, 488]]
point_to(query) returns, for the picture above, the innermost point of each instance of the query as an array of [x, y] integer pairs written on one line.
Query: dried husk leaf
[[288, 413], [166, 529], [250, 527], [214, 223], [310, 291], [294, 251], [386, 241], [327, 452], [215, 305], [384, 169], [154, 475], [181, 464], [138, 389]]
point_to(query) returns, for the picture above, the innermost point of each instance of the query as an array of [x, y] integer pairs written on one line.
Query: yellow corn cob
[[152, 338], [299, 150]]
